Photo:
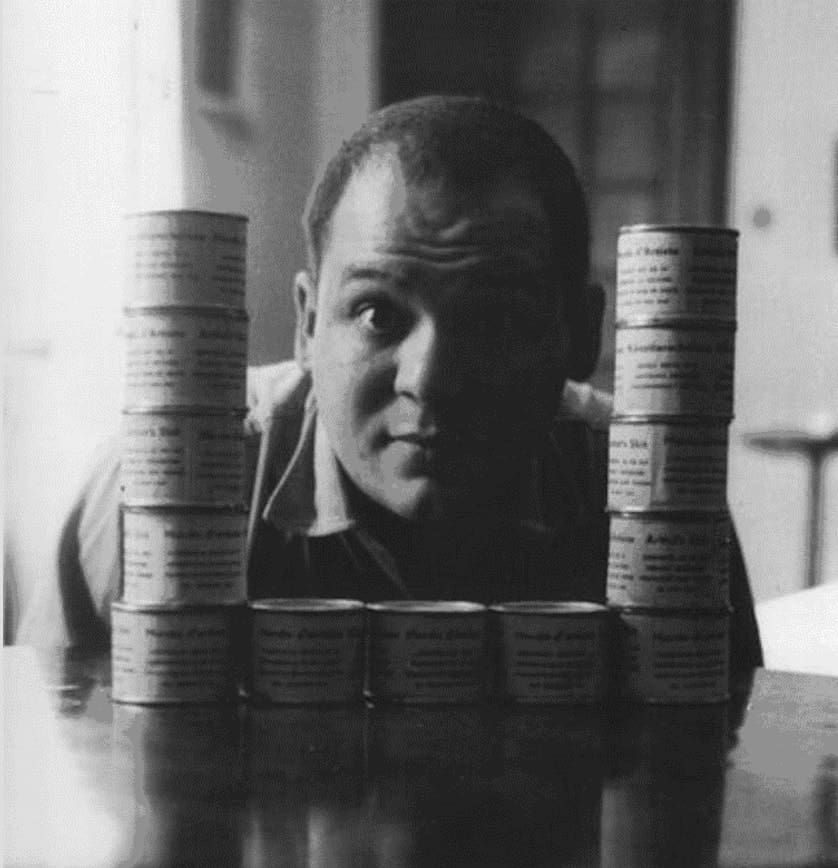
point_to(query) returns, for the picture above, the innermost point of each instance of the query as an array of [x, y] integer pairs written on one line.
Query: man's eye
[[380, 318]]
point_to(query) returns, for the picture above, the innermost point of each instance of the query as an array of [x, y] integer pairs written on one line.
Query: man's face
[[434, 338]]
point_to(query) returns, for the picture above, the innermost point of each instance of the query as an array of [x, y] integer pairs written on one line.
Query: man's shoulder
[[273, 390]]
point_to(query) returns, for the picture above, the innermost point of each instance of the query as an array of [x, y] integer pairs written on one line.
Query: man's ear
[[586, 332], [305, 302]]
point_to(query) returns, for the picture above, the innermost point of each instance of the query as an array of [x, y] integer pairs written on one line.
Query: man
[[420, 444]]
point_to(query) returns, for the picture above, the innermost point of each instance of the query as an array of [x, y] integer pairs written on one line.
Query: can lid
[[550, 607], [684, 324], [213, 311], [670, 613], [693, 421], [222, 609], [305, 605], [175, 212], [691, 228], [427, 607]]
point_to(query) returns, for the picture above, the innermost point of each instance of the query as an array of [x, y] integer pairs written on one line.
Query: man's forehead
[[380, 199]]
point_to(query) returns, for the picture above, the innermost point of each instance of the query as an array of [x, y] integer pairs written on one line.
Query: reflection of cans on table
[[172, 457], [186, 258], [427, 651], [664, 463], [185, 356], [676, 271], [183, 555], [174, 654], [669, 560], [676, 656], [551, 652], [674, 367], [307, 650]]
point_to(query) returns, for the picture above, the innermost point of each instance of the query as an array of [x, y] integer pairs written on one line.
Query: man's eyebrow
[[374, 273]]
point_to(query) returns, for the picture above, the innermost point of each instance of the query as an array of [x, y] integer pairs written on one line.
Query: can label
[[551, 652], [672, 658], [427, 652], [184, 557], [182, 357], [669, 562], [661, 465], [163, 655], [186, 258], [671, 370], [180, 458], [676, 272], [307, 651]]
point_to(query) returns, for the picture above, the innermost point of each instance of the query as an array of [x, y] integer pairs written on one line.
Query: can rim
[[684, 515], [213, 311], [305, 605], [130, 215], [229, 511], [429, 607], [182, 410], [695, 228], [693, 420], [693, 509], [672, 613], [693, 324], [577, 608], [222, 609]]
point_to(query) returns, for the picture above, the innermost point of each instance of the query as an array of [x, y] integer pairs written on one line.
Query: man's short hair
[[467, 142]]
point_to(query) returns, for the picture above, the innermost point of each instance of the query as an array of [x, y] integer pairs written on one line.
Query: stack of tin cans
[[669, 547], [183, 514]]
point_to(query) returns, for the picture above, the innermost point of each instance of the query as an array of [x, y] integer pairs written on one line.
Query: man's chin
[[425, 501]]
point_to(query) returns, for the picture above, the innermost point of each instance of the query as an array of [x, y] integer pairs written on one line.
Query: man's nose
[[426, 367]]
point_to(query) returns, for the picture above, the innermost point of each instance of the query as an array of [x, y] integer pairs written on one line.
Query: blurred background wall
[[701, 111]]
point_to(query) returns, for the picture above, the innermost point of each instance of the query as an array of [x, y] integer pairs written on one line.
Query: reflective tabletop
[[92, 783]]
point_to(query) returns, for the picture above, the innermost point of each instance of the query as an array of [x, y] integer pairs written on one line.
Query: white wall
[[785, 152]]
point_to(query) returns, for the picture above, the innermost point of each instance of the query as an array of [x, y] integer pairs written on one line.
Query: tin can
[[179, 457], [427, 652], [307, 650], [173, 654], [665, 463], [666, 560], [674, 367], [676, 656], [183, 556], [551, 652], [676, 271], [185, 357], [186, 258]]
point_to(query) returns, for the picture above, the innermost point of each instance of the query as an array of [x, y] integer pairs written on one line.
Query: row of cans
[[337, 651]]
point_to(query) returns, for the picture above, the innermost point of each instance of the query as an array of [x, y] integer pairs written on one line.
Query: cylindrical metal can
[[676, 271], [665, 463], [180, 457], [427, 651], [186, 258], [174, 654], [674, 368], [672, 656], [183, 556], [551, 652], [185, 357], [307, 650], [665, 560]]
